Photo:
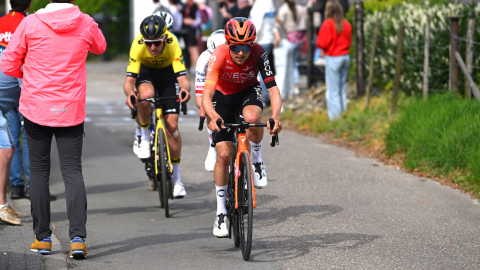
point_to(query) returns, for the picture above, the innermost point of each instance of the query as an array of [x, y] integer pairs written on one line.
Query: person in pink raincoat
[[48, 50]]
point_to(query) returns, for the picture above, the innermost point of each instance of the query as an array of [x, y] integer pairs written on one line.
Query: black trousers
[[69, 145]]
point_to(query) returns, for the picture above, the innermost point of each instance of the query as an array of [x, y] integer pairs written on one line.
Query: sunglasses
[[157, 42], [238, 48]]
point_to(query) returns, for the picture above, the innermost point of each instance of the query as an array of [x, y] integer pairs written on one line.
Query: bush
[[440, 135], [414, 17]]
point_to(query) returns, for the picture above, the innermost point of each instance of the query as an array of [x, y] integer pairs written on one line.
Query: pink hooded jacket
[[52, 47]]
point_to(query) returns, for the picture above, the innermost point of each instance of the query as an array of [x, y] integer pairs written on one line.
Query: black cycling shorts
[[165, 84], [227, 105]]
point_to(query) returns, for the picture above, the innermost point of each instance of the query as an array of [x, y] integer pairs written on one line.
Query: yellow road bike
[[159, 165]]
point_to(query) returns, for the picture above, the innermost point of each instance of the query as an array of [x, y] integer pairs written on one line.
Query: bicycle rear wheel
[[245, 201], [162, 164]]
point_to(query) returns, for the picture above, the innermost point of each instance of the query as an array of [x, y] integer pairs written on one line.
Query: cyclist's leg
[[225, 106], [145, 88], [167, 85], [252, 112]]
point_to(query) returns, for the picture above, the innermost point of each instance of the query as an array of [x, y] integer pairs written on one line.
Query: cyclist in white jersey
[[217, 38]]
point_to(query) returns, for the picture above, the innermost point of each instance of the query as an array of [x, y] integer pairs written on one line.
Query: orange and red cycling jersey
[[8, 25], [229, 78]]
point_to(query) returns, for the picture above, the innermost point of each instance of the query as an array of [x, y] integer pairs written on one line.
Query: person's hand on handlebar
[[277, 127], [187, 96], [201, 112], [213, 124], [129, 102]]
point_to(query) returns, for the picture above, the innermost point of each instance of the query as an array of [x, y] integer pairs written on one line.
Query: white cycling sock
[[176, 173], [221, 199], [6, 205], [145, 134], [256, 151], [138, 131], [210, 140]]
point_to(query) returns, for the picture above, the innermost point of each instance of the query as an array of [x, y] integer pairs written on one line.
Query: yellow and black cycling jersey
[[171, 55]]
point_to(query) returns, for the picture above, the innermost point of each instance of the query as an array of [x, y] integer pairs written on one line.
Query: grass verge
[[438, 138]]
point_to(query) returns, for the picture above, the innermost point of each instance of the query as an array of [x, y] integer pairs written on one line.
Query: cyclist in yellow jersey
[[156, 65]]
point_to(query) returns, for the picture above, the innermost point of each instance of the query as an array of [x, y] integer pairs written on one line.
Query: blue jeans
[[15, 118], [336, 71], [268, 49], [296, 48], [6, 139]]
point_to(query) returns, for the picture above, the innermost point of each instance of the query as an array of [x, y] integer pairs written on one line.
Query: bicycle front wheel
[[162, 164], [245, 207]]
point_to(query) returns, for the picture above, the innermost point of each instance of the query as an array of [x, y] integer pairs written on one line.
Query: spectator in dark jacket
[[244, 8], [228, 10]]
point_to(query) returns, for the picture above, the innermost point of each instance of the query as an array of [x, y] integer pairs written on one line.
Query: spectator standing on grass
[[262, 14], [228, 10], [335, 38], [52, 102], [9, 97], [293, 18]]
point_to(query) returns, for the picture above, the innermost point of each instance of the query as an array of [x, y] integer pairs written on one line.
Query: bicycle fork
[[242, 148], [160, 126]]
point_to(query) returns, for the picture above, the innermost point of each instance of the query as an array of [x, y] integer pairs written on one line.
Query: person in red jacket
[[335, 38]]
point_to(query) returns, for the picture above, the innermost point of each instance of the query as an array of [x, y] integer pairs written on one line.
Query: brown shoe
[[78, 248], [43, 247], [6, 215], [15, 213]]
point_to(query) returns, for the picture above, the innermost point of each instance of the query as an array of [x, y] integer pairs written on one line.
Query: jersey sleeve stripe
[[269, 79]]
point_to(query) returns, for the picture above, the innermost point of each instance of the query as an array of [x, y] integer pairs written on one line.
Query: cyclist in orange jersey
[[231, 84]]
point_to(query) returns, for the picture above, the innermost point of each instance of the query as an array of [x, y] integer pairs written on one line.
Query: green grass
[[441, 136], [357, 124]]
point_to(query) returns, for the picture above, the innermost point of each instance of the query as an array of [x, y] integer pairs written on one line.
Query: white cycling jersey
[[201, 72]]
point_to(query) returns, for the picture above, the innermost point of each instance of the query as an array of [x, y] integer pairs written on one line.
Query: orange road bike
[[241, 194]]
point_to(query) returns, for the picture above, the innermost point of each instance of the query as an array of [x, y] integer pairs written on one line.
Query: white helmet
[[216, 39], [166, 17]]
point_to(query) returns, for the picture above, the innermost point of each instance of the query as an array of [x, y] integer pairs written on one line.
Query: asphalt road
[[323, 208]]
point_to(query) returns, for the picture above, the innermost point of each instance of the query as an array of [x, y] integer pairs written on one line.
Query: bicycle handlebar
[[245, 125], [134, 110], [200, 125], [184, 104]]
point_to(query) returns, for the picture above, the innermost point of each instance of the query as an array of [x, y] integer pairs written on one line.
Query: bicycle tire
[[245, 200], [236, 232], [163, 167], [158, 176], [234, 223], [152, 181]]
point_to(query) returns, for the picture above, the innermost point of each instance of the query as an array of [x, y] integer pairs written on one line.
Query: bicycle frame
[[159, 125], [242, 148]]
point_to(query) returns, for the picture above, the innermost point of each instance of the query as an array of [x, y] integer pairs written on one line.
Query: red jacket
[[330, 42]]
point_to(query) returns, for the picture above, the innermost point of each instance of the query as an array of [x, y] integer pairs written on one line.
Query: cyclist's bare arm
[[184, 85], [129, 88], [276, 101]]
